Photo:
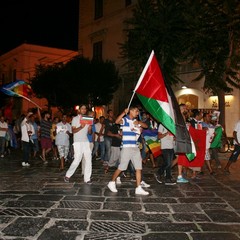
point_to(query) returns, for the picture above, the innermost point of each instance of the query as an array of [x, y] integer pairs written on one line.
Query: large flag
[[18, 88], [151, 139], [160, 101]]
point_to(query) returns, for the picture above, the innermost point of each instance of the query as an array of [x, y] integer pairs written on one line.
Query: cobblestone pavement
[[35, 203]]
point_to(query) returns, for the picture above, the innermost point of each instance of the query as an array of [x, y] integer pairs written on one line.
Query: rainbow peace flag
[[151, 139], [18, 88]]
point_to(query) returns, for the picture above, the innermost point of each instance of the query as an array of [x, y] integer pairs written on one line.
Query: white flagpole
[[30, 101], [141, 77]]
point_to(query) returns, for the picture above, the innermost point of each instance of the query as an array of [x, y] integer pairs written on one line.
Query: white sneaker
[[2, 156], [23, 164], [118, 180], [143, 184], [141, 191], [27, 165], [112, 186]]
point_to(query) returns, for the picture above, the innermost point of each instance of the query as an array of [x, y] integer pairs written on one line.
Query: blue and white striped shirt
[[130, 132]]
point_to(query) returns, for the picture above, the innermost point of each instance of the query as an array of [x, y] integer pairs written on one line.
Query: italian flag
[[152, 92]]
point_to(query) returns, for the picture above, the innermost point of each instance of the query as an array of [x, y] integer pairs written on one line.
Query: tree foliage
[[202, 31], [78, 81]]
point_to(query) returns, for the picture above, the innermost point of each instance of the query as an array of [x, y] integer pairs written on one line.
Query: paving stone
[[190, 217], [235, 205], [60, 192], [122, 206], [214, 236], [68, 214], [55, 233], [156, 207], [223, 216], [228, 195], [7, 197], [25, 227], [22, 212], [220, 227], [80, 205], [215, 206], [84, 198], [41, 197], [110, 236], [166, 236], [123, 199], [184, 207], [90, 190], [121, 193], [201, 200], [159, 200], [151, 217], [200, 194], [109, 215], [172, 227], [71, 225], [29, 204], [120, 227]]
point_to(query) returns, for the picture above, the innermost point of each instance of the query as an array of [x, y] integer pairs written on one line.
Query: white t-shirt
[[25, 127], [80, 136], [62, 138], [167, 142], [237, 129], [3, 125], [98, 127]]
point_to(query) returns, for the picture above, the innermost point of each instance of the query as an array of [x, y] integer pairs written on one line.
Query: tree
[[214, 44], [202, 31], [160, 26], [78, 81]]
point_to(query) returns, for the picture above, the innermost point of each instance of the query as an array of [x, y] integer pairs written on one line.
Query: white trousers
[[81, 149]]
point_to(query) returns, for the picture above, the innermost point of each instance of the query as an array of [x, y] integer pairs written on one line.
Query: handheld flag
[[151, 138], [161, 103], [18, 88]]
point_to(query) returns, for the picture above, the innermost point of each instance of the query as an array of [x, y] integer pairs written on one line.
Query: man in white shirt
[[63, 131], [27, 131], [81, 146]]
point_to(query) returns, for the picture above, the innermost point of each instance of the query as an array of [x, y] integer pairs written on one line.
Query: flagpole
[[131, 100], [30, 101]]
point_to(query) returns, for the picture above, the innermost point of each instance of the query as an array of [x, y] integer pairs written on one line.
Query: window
[[97, 50], [98, 9], [128, 2]]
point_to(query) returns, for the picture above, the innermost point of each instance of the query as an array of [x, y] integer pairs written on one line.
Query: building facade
[[19, 64], [101, 29]]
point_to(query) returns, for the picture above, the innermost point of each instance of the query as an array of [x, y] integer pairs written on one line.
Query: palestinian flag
[[160, 101]]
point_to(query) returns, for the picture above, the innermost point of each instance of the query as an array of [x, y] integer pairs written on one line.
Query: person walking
[[27, 131], [81, 146], [63, 131], [130, 151], [167, 147], [234, 156]]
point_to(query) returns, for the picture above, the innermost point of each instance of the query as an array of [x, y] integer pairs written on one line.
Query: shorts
[[235, 154], [46, 143], [133, 154], [207, 155]]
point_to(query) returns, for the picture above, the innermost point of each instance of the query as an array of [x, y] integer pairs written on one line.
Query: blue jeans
[[168, 156], [102, 149], [108, 143]]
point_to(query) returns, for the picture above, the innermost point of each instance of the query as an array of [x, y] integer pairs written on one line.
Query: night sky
[[52, 23]]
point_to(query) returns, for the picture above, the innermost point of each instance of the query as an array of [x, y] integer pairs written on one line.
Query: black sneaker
[[169, 182], [157, 177]]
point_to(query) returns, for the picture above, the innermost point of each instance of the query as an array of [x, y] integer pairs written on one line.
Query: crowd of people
[[117, 142]]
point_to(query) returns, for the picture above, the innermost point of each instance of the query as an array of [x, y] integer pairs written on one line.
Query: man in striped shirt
[[131, 130]]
